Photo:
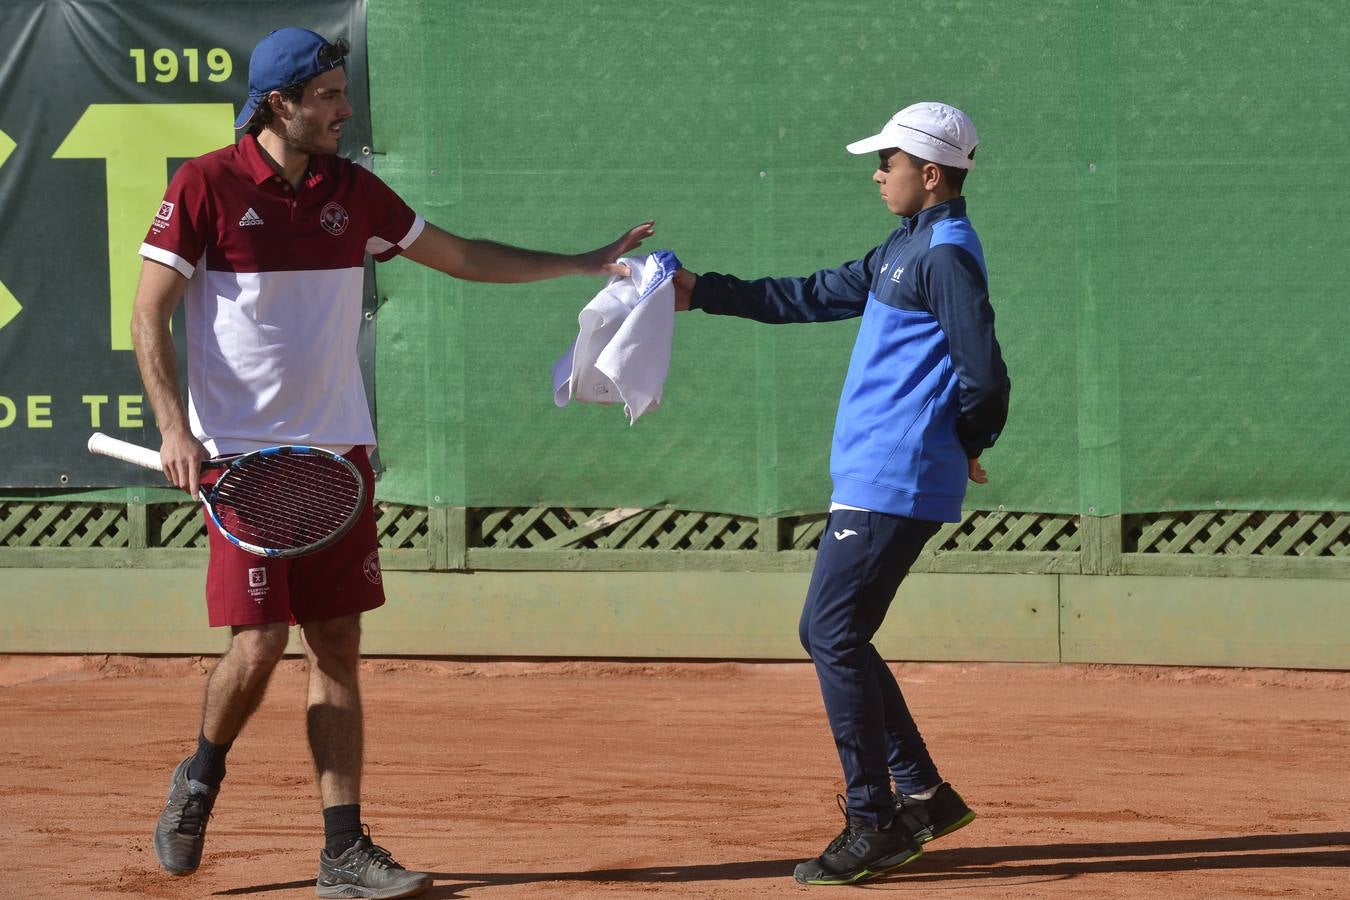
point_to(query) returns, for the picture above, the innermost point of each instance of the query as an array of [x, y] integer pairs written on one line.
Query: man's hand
[[977, 472], [684, 289], [603, 260], [182, 456]]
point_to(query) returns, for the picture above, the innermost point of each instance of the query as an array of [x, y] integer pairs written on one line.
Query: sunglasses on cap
[[333, 54]]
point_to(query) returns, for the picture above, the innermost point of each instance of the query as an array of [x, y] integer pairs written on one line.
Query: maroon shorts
[[243, 588]]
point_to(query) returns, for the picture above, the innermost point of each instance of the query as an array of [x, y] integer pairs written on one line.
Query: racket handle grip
[[103, 445]]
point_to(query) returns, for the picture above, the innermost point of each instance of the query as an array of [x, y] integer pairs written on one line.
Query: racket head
[[285, 501]]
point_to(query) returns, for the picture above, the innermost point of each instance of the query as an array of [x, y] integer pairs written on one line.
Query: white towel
[[622, 353]]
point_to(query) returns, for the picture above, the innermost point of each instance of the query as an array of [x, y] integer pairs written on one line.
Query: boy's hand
[[684, 289]]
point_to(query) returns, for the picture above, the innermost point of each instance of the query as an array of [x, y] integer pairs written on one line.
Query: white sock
[[925, 795]]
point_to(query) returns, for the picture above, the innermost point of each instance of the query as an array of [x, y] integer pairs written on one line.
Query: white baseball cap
[[931, 131]]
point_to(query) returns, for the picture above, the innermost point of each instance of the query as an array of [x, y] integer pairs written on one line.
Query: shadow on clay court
[[1261, 851], [735, 871], [1028, 861]]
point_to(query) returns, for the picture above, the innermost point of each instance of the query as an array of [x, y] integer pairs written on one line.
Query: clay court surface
[[598, 779]]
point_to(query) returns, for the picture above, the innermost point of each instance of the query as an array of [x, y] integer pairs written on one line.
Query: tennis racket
[[278, 502]]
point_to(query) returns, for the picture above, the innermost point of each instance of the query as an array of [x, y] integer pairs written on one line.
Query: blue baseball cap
[[285, 57]]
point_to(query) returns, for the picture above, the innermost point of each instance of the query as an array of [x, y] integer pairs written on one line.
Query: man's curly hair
[[262, 115]]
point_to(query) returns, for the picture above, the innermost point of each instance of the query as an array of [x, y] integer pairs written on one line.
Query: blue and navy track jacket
[[926, 387]]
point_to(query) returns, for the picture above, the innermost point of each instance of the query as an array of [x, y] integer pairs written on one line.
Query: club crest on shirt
[[372, 567], [165, 211], [333, 218]]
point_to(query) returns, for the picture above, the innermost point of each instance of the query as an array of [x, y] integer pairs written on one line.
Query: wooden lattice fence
[[50, 532]]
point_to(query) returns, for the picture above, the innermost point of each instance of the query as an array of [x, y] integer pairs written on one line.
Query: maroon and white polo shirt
[[274, 294]]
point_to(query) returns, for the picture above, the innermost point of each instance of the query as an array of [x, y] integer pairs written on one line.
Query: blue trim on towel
[[667, 265]]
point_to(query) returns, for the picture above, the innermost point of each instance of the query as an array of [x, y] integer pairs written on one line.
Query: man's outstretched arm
[[480, 260]]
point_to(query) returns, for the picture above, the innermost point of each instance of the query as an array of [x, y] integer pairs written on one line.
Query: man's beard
[[307, 136]]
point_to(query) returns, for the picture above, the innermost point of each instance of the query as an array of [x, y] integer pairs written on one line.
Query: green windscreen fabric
[[1233, 314], [1157, 216]]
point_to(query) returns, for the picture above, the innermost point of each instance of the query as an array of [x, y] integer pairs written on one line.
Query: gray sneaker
[[367, 870], [181, 830]]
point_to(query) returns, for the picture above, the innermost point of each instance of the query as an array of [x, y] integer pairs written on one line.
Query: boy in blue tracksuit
[[926, 394]]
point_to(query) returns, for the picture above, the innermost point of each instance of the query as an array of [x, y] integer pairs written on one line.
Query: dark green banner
[[99, 104]]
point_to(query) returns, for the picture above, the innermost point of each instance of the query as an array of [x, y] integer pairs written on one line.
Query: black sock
[[208, 764], [341, 828]]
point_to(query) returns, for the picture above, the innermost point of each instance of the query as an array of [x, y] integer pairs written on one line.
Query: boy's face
[[905, 187]]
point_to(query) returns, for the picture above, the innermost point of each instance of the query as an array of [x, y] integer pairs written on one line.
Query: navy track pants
[[863, 558]]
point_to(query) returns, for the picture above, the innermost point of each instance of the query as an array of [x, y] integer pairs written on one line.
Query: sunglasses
[[332, 55]]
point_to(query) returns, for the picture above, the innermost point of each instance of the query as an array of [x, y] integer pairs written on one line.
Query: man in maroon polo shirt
[[266, 241]]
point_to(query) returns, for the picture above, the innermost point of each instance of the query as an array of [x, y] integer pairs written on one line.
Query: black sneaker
[[860, 851], [929, 819], [367, 870], [181, 830]]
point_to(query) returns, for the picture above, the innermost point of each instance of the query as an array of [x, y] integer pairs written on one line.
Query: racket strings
[[287, 501], [332, 508], [271, 524], [275, 525], [272, 527]]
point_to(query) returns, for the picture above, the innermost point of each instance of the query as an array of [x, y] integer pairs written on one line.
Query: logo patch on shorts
[[333, 218], [372, 567], [257, 584]]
